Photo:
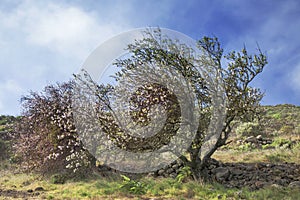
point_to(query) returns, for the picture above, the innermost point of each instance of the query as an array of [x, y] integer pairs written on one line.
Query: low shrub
[[279, 142], [133, 186], [3, 150], [249, 129], [184, 173], [58, 178], [246, 147]]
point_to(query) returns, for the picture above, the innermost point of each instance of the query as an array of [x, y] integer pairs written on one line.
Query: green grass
[[284, 119], [267, 155], [163, 188]]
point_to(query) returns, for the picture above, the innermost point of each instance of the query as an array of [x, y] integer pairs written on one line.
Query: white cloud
[[68, 30], [46, 42]]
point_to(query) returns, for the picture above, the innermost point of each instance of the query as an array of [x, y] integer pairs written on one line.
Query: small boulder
[[259, 137], [30, 191], [160, 172], [221, 173], [251, 139], [237, 172], [39, 189], [260, 184], [295, 184]]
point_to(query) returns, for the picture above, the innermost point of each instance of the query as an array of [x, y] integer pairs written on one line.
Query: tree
[[46, 136], [157, 54]]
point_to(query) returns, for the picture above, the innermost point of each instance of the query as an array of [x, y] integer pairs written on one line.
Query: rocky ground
[[251, 175], [256, 175], [239, 175], [232, 175], [17, 194]]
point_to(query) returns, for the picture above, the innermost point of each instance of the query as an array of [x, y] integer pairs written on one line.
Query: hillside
[[261, 161], [281, 120]]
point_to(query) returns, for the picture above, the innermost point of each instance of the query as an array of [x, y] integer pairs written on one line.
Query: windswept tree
[[124, 110], [161, 103]]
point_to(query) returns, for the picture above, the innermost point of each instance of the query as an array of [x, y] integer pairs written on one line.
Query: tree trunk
[[199, 170]]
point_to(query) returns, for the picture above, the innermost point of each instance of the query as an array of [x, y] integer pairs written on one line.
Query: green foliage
[[249, 129], [183, 174], [133, 186], [6, 119], [279, 142], [50, 197], [245, 147], [6, 136], [3, 149], [267, 146], [6, 123], [58, 178], [276, 116]]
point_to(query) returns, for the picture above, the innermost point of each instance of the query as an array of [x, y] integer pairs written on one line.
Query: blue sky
[[44, 42]]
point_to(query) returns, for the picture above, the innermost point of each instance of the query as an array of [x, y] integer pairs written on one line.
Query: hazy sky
[[44, 42]]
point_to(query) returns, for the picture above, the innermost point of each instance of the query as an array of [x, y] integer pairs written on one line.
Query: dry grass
[[269, 155]]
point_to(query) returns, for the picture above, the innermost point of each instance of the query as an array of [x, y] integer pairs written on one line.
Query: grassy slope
[[156, 189], [281, 123]]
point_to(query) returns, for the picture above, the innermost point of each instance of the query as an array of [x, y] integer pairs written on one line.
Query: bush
[[281, 142], [276, 116], [132, 186], [246, 147], [58, 179], [184, 173], [6, 119], [249, 129], [47, 138], [3, 150]]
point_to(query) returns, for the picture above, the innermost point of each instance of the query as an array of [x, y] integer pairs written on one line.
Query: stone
[[160, 172], [39, 189], [221, 173], [251, 139], [285, 146], [170, 170], [259, 137], [250, 168], [173, 175], [239, 141], [295, 184], [176, 166], [236, 172], [275, 185]]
